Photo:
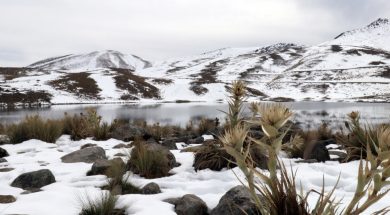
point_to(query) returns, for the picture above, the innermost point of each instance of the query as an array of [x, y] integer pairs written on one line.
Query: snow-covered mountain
[[354, 66], [92, 61]]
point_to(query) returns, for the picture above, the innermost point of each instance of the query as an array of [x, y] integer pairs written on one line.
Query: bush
[[207, 125], [86, 125], [102, 132], [2, 129], [103, 205], [34, 127], [212, 156], [359, 139], [148, 163]]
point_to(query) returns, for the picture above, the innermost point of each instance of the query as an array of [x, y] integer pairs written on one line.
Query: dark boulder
[[87, 145], [188, 205], [3, 160], [316, 151], [121, 145], [3, 153], [127, 132], [197, 140], [151, 188], [237, 200], [34, 180]]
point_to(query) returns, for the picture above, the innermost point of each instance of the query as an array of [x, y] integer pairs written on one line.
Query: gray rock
[[127, 132], [101, 166], [197, 140], [3, 153], [121, 145], [151, 188], [188, 205], [6, 199], [6, 169], [3, 160], [87, 145], [236, 201], [86, 155], [191, 205], [316, 151], [340, 155], [4, 139], [169, 144], [34, 180], [120, 155]]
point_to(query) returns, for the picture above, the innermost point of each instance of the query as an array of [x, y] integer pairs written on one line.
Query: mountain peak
[[379, 22], [92, 60], [381, 25]]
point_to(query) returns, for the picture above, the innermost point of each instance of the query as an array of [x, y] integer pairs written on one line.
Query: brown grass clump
[[212, 156], [103, 205], [34, 127], [86, 125], [118, 182], [148, 163], [300, 140], [359, 138], [207, 125]]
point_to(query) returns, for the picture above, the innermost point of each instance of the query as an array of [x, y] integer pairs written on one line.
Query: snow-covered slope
[[355, 66], [91, 61], [374, 35]]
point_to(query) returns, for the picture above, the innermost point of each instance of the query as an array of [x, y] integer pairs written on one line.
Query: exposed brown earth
[[79, 84], [208, 75], [163, 81], [31, 98], [10, 73], [135, 85]]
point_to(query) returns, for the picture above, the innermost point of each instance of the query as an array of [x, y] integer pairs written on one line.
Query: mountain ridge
[[352, 67]]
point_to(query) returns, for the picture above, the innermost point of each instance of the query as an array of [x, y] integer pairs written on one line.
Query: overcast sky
[[31, 30]]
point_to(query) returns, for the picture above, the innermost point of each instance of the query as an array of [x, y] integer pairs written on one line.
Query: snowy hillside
[[90, 61], [355, 66]]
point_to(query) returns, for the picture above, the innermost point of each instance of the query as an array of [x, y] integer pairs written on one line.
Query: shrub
[[34, 127], [102, 132], [2, 129], [86, 125], [212, 156], [359, 139], [207, 125], [297, 144], [148, 163], [118, 183], [103, 205]]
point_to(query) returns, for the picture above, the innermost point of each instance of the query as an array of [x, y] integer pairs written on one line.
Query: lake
[[309, 113]]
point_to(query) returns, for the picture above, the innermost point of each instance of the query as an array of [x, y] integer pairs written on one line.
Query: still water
[[309, 113]]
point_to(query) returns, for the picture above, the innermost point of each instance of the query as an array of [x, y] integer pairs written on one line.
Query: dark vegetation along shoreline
[[249, 143]]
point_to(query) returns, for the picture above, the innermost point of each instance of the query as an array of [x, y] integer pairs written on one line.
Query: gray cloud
[[160, 29]]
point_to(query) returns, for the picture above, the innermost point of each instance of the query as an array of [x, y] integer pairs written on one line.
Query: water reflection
[[309, 113]]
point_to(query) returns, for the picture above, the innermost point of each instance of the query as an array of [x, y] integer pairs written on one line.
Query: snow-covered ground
[[62, 197]]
